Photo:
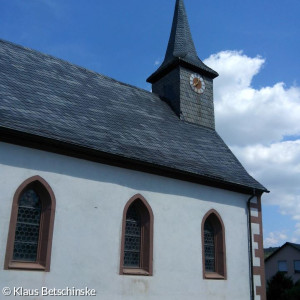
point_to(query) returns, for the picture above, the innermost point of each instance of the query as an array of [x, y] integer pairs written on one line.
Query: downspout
[[250, 246]]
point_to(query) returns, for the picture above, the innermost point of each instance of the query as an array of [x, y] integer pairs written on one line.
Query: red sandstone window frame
[[220, 246], [146, 252], [48, 202]]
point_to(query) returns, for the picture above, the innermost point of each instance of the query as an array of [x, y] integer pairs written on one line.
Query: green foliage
[[294, 292], [281, 287]]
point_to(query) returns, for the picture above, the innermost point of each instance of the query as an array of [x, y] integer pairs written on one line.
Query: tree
[[294, 292], [279, 287]]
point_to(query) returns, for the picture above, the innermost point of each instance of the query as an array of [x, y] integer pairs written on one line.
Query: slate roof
[[51, 98], [181, 46], [295, 246]]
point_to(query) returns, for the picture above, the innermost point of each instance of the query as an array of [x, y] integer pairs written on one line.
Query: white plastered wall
[[87, 230]]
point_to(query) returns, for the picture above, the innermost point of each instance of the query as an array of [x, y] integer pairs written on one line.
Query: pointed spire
[[180, 43], [181, 48]]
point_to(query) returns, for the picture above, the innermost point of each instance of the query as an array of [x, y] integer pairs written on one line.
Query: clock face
[[197, 83]]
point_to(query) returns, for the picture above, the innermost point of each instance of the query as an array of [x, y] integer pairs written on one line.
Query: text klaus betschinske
[[45, 291]]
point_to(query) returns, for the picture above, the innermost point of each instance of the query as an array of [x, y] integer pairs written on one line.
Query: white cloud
[[275, 239], [277, 165], [263, 115], [254, 122], [297, 230]]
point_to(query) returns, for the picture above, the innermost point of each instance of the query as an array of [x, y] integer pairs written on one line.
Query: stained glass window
[[132, 238], [209, 247], [27, 227]]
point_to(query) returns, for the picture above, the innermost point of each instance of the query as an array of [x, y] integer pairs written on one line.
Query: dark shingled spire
[[181, 48], [180, 43]]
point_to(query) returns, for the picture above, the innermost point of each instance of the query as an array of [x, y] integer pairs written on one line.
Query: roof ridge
[[73, 65], [295, 246]]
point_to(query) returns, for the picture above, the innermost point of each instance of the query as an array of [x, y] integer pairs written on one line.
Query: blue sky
[[113, 37], [254, 45]]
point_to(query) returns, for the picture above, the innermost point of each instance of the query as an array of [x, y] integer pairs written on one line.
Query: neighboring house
[[285, 259], [111, 187], [269, 251]]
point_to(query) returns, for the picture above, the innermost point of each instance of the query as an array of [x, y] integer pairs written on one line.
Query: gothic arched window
[[137, 238], [209, 247], [213, 246], [31, 226]]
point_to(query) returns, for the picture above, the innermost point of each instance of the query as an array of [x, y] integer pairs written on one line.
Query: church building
[[131, 193]]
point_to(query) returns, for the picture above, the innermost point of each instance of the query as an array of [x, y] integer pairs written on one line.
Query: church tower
[[183, 80]]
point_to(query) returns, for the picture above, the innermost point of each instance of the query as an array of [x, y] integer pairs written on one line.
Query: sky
[[253, 45]]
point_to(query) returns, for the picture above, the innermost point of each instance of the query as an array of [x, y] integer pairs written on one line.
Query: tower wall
[[196, 108], [168, 87], [190, 106]]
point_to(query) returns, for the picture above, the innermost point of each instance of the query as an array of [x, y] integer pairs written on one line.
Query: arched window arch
[[31, 226], [137, 237], [213, 246]]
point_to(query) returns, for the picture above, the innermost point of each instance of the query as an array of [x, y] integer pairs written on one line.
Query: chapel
[[128, 192]]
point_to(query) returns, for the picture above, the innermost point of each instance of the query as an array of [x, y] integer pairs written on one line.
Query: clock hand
[[196, 83]]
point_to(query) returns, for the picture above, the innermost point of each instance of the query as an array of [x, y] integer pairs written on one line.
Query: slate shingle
[[48, 97], [181, 46]]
